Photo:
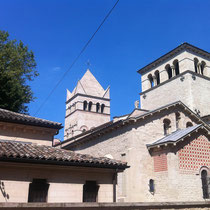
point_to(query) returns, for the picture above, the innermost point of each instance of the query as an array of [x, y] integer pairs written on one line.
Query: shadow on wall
[[3, 191]]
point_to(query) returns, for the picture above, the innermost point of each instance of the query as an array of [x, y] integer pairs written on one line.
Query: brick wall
[[160, 163], [195, 155]]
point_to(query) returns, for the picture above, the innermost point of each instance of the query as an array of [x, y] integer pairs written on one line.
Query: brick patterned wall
[[195, 155], [160, 163]]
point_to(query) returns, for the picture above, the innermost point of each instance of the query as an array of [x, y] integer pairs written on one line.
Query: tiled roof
[[175, 136], [121, 122], [9, 116], [27, 152]]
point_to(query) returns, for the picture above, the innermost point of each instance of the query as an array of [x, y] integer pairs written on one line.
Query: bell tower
[[87, 106], [182, 74]]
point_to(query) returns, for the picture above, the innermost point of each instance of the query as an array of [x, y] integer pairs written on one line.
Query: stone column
[[154, 80], [199, 68], [173, 71]]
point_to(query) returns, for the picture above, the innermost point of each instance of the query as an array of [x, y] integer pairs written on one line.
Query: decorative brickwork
[[160, 163], [195, 155]]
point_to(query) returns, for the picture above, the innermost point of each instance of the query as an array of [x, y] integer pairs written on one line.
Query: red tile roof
[[27, 152], [14, 117]]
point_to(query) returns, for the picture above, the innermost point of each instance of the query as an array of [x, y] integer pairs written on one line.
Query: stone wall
[[66, 183], [27, 133], [128, 143], [108, 206]]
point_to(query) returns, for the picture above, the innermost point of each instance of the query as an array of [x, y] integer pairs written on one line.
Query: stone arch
[[166, 126], [176, 67], [205, 176], [203, 65], [196, 61], [102, 108], [85, 105], [169, 71], [157, 76], [97, 107], [150, 78], [189, 124], [90, 106], [83, 128], [178, 117]]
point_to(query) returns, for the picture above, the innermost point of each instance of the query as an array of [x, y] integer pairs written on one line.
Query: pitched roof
[[184, 46], [175, 136], [14, 117], [112, 125], [31, 153], [89, 85]]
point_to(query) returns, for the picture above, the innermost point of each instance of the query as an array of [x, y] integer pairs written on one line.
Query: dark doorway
[[38, 190], [90, 191]]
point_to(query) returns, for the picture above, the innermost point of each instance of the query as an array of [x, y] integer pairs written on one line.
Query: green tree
[[17, 68]]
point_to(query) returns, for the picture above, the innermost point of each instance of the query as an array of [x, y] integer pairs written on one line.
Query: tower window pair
[[173, 70], [88, 107], [154, 80], [199, 66]]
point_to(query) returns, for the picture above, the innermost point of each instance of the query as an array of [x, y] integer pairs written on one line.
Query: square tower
[[182, 74], [87, 106]]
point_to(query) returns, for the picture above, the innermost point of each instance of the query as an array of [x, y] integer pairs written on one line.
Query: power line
[[77, 57]]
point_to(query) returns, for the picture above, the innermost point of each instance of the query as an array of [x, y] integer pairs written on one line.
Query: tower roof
[[185, 46], [89, 85]]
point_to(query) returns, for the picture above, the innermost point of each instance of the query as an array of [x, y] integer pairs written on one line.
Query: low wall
[[108, 206]]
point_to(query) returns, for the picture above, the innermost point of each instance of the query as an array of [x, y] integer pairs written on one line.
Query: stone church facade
[[166, 142]]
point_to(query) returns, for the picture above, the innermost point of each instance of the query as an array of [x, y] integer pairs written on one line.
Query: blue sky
[[136, 33]]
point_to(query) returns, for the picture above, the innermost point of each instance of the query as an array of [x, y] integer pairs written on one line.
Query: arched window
[[205, 183], [151, 186], [90, 106], [169, 71], [203, 64], [166, 126], [196, 65], [150, 78], [189, 124], [85, 105], [157, 75], [97, 107], [176, 66], [177, 120], [102, 108]]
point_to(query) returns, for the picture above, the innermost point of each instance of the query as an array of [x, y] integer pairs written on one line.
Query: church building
[[165, 141]]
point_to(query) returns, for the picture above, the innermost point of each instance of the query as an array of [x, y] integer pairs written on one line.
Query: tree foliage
[[17, 68]]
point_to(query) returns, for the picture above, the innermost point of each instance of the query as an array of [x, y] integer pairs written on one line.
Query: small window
[[151, 186], [205, 184], [169, 71], [90, 106], [97, 107], [189, 124], [150, 78], [202, 66], [90, 191], [102, 108], [177, 120], [176, 66], [38, 190], [196, 65], [157, 75], [85, 105], [166, 126]]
